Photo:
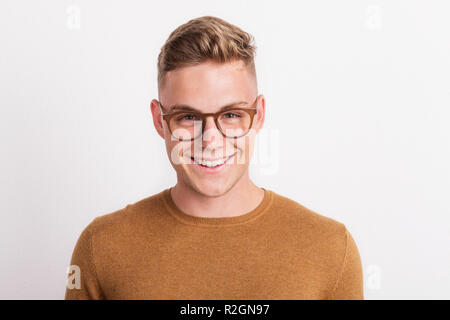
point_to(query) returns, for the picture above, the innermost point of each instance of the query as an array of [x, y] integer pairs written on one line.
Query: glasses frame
[[251, 111]]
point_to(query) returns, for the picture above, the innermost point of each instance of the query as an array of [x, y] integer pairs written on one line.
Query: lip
[[216, 169], [213, 159]]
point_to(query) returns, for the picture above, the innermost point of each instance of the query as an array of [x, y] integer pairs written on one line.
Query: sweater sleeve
[[83, 283], [349, 285]]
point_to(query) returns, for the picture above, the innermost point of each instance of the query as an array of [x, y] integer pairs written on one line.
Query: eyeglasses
[[232, 122]]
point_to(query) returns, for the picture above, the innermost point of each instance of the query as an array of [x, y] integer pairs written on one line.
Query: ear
[[157, 117], [261, 112]]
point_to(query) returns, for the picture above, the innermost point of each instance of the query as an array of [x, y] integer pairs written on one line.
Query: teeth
[[210, 164]]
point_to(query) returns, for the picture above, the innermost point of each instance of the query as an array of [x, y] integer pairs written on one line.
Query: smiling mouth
[[211, 163]]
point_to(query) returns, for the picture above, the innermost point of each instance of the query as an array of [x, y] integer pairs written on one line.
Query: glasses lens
[[234, 123], [186, 126]]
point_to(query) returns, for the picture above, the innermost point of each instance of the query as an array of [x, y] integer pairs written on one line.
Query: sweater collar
[[221, 221]]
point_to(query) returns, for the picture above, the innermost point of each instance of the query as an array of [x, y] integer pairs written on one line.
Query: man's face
[[207, 87]]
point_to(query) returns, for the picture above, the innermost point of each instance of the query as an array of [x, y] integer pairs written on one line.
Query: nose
[[211, 133]]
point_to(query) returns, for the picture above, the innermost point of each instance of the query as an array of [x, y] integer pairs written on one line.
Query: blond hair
[[205, 38]]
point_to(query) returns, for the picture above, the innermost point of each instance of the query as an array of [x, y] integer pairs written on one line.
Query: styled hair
[[205, 38]]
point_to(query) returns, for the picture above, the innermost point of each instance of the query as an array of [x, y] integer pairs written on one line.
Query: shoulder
[[314, 228], [324, 242], [130, 218], [295, 211]]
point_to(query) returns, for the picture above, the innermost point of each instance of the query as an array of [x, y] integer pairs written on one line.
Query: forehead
[[208, 86]]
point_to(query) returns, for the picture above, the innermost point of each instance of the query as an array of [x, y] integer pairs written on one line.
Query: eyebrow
[[185, 107]]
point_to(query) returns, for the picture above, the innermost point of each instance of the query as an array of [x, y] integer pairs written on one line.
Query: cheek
[[244, 147], [174, 151], [180, 153]]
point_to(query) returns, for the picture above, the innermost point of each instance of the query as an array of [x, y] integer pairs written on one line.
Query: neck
[[243, 197]]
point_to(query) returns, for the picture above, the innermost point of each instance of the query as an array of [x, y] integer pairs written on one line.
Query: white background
[[358, 99]]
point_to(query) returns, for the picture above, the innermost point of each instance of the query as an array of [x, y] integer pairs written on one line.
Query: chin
[[210, 186], [211, 189]]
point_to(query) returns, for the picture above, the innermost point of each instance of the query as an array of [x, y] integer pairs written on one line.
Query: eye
[[187, 117], [232, 115]]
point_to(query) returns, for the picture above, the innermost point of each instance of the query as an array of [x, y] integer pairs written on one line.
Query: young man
[[215, 234]]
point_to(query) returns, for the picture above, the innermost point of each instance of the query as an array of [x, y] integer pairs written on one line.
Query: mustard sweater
[[153, 250]]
